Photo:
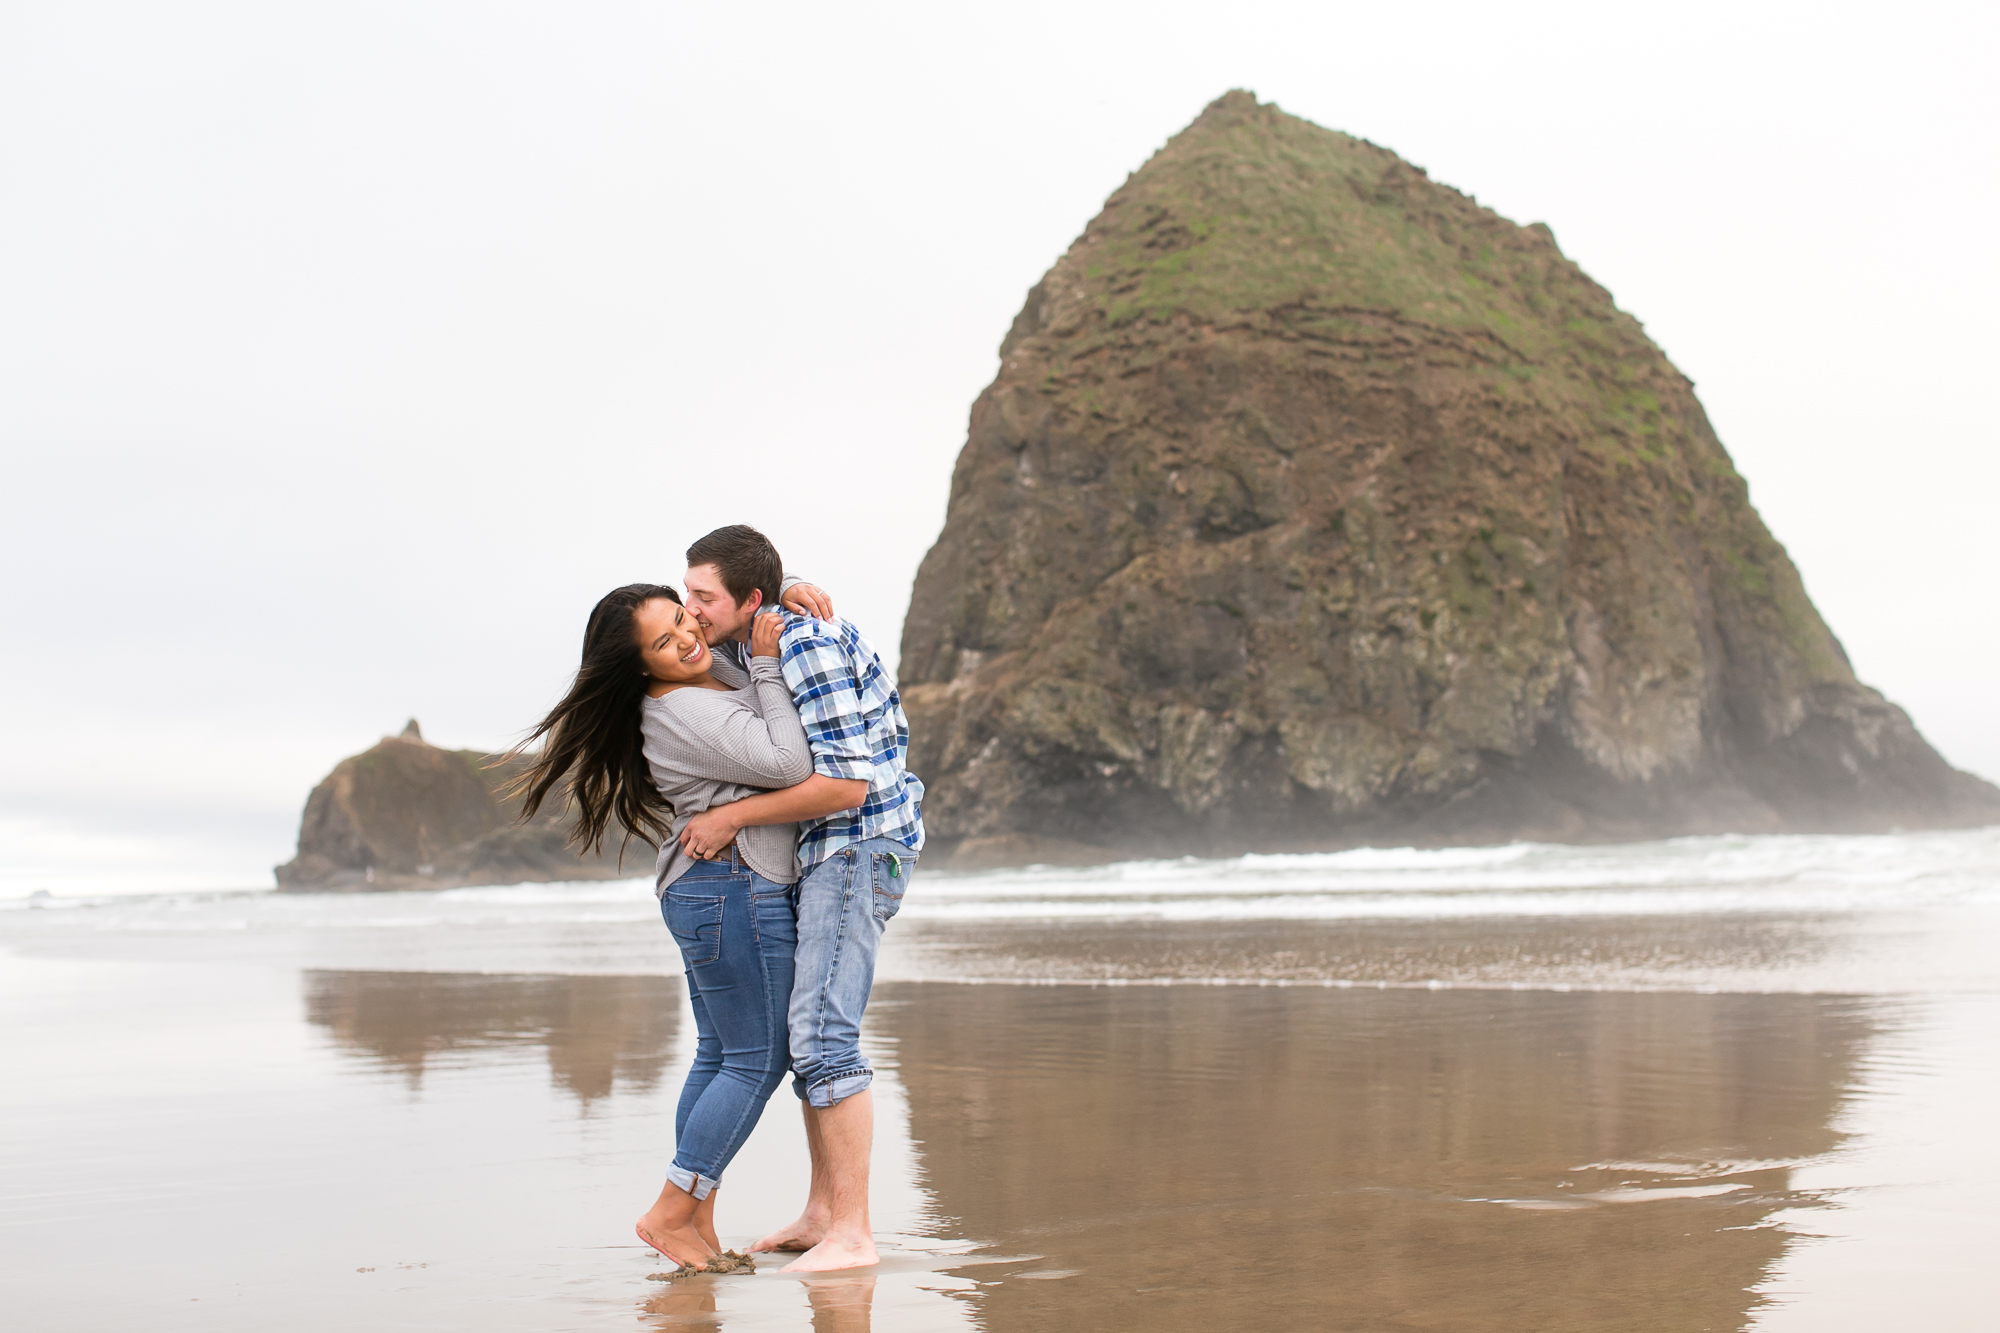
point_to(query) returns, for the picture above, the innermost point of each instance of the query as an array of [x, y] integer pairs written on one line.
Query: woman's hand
[[808, 599], [710, 831], [764, 632]]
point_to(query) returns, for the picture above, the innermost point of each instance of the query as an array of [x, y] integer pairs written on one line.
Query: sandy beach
[[1144, 1097]]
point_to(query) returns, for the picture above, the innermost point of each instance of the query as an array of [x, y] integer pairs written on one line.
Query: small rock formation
[[1316, 505], [407, 814]]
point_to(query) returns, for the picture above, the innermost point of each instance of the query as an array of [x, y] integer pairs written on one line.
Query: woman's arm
[[716, 827], [722, 739], [717, 737]]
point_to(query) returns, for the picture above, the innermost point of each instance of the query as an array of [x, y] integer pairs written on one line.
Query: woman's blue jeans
[[737, 932]]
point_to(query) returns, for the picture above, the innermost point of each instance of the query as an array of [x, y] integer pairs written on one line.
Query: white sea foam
[[1723, 874], [1716, 875]]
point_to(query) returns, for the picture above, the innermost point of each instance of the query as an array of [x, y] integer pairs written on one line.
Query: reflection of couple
[[840, 1303], [762, 749]]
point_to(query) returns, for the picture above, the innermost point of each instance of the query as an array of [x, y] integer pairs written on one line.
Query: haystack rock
[[1316, 505], [407, 814]]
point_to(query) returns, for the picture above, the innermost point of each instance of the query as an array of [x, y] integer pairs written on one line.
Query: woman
[[647, 737]]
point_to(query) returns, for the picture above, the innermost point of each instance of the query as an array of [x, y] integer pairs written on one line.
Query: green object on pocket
[[895, 866]]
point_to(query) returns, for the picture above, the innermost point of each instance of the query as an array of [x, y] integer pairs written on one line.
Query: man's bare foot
[[836, 1252], [800, 1236], [683, 1244]]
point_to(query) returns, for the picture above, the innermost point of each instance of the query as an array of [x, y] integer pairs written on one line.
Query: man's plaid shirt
[[855, 725], [854, 722]]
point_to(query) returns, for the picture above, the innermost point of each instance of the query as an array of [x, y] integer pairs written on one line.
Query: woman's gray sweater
[[710, 747]]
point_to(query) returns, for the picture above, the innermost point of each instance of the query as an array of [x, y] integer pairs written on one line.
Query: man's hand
[[764, 632], [819, 795], [711, 830], [808, 599]]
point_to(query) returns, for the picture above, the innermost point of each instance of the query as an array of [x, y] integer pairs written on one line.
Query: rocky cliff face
[[1315, 504], [407, 814]]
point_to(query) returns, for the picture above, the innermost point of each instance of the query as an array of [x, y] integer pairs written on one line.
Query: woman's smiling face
[[670, 642]]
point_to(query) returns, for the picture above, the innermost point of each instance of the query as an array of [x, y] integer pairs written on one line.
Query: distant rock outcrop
[[407, 814], [1315, 504]]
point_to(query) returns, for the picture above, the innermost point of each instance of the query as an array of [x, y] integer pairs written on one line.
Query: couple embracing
[[760, 743]]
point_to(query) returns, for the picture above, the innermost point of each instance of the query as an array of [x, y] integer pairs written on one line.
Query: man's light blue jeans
[[844, 902], [737, 934]]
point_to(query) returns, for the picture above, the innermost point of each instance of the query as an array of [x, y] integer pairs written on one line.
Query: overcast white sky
[[349, 351]]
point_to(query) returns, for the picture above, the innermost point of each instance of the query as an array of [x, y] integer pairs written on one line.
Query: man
[[860, 830]]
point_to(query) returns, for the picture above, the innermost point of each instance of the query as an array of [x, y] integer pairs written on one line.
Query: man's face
[[722, 617]]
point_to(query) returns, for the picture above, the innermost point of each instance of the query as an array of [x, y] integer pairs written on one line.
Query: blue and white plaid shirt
[[855, 725], [854, 722]]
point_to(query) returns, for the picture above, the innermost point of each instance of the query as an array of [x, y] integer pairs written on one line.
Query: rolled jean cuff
[[694, 1182], [831, 1091]]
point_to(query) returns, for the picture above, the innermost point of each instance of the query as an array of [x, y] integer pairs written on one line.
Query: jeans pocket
[[776, 917], [696, 922], [889, 887]]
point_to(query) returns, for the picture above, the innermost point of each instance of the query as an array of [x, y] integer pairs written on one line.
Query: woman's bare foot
[[704, 1221], [808, 1231], [669, 1227], [844, 1251], [683, 1245]]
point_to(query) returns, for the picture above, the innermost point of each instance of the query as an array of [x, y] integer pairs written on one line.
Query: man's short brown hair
[[745, 559]]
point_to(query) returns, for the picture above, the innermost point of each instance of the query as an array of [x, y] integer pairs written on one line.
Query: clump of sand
[[729, 1261]]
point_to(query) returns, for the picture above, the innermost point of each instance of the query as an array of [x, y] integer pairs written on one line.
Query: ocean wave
[[1734, 874]]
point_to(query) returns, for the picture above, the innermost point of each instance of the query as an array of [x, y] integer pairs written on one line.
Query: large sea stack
[[1315, 504]]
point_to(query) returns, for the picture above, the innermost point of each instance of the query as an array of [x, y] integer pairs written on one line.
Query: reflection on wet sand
[[1167, 1156], [1193, 1157], [600, 1032], [1675, 952], [689, 1302], [839, 1304], [1213, 1157], [621, 1034]]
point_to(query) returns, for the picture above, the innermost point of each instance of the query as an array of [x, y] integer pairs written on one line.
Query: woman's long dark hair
[[592, 737]]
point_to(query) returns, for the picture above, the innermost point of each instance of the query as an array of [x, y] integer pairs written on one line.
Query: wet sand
[[1771, 1121], [235, 1147], [1284, 1158]]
